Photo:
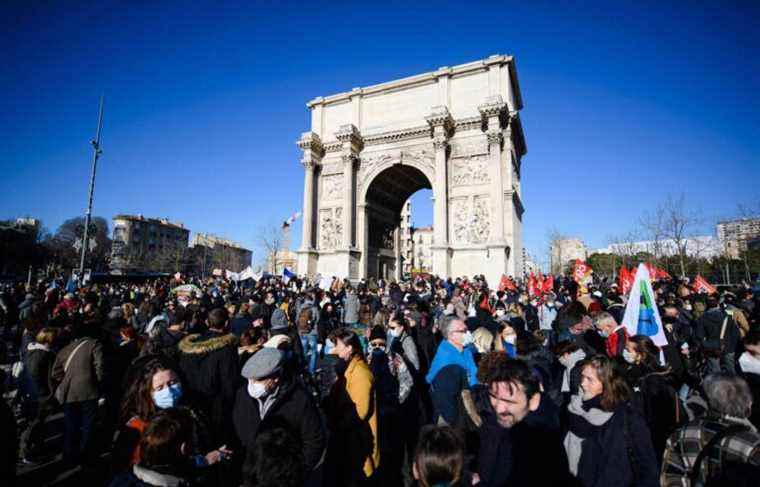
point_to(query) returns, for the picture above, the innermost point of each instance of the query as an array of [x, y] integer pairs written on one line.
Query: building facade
[[149, 244], [422, 260], [212, 252], [407, 244], [456, 131], [564, 251], [734, 235]]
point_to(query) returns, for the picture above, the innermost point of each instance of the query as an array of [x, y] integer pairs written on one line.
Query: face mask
[[467, 339], [256, 390], [395, 333], [511, 339], [500, 312], [603, 333], [168, 397], [749, 363], [549, 304], [269, 300], [628, 356]]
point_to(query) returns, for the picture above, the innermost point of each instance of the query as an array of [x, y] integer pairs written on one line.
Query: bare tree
[[679, 225], [555, 240], [653, 225], [270, 239]]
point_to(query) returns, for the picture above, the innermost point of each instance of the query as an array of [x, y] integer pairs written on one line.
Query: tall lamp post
[[88, 216]]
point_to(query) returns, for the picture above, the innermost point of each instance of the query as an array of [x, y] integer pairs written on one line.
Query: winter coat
[[658, 403], [352, 416], [708, 327], [489, 448], [292, 409], [351, 308], [209, 365], [601, 445], [83, 378], [39, 364]]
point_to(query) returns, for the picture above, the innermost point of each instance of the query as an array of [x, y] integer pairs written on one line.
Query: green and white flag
[[641, 315]]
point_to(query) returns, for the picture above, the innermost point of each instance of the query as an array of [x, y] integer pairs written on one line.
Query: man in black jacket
[[269, 400], [512, 431], [209, 365]]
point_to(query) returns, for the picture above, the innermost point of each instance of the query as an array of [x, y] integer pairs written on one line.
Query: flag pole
[[88, 216]]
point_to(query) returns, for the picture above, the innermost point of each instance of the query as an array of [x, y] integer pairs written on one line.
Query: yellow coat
[[359, 387]]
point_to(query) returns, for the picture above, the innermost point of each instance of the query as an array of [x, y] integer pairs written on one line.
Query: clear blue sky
[[205, 100]]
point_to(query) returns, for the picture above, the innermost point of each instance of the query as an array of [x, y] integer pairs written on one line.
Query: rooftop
[[141, 218]]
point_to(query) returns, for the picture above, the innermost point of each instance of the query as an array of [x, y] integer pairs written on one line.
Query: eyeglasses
[[463, 330]]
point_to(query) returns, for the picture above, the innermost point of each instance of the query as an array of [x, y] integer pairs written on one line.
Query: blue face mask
[[168, 397]]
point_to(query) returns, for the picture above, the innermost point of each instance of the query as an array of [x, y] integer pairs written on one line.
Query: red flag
[[548, 284], [532, 285], [625, 280], [661, 274], [702, 286], [581, 270], [506, 284]]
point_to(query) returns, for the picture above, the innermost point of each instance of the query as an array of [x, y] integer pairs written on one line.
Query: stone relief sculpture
[[370, 162], [469, 147], [460, 221], [332, 187], [330, 228], [471, 220], [472, 170], [480, 227]]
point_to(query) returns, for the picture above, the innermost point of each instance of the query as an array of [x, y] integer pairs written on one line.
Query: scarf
[[585, 419]]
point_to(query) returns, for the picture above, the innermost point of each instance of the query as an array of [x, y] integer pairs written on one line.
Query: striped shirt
[[684, 445]]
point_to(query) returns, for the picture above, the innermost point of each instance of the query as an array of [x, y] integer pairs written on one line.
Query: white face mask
[[749, 363], [467, 339], [511, 339], [500, 312], [395, 332], [628, 356], [256, 390]]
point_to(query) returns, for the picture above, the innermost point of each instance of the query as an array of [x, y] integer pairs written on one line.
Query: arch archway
[[382, 198]]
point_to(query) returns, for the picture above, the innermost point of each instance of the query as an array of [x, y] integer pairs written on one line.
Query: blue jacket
[[447, 354]]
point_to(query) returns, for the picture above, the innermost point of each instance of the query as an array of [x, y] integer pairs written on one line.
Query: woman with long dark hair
[[155, 388], [654, 394], [353, 453]]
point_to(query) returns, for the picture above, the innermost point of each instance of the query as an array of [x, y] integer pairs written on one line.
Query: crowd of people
[[429, 382]]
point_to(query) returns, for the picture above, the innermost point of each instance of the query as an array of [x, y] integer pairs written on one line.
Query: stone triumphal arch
[[456, 131]]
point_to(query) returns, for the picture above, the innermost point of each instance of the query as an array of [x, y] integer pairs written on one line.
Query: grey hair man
[[452, 370], [722, 448]]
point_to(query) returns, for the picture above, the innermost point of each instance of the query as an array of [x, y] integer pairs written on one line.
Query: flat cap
[[264, 363]]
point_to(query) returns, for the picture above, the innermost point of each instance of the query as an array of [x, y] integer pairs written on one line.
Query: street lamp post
[[88, 216]]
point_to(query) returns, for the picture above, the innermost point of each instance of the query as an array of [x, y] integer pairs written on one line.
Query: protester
[[209, 364], [352, 415], [718, 334], [39, 365], [608, 442], [723, 448], [653, 392], [270, 400], [439, 459], [79, 371], [453, 369]]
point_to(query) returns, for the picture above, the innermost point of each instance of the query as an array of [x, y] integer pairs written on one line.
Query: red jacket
[[616, 342]]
